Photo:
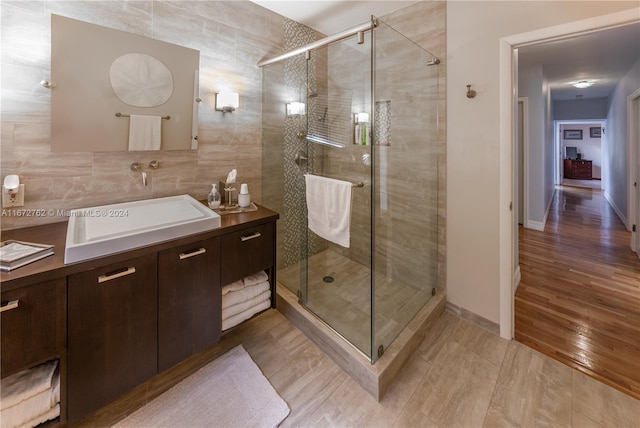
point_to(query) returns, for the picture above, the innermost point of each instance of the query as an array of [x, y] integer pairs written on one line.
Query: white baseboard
[[517, 276], [539, 225], [535, 225], [622, 217]]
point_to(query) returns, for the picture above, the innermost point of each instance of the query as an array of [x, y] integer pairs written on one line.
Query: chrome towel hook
[[470, 92]]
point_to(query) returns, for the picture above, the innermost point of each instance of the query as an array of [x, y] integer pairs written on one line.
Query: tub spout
[[144, 178]]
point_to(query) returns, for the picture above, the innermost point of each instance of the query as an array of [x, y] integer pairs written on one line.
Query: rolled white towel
[[248, 293], [234, 286], [245, 315], [256, 278], [243, 306]]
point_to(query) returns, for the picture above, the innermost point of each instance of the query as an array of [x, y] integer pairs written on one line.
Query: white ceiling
[[605, 55], [331, 16]]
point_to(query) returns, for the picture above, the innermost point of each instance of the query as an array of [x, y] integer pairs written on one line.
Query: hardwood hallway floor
[[579, 297]]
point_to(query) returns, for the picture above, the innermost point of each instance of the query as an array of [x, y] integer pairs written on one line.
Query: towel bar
[[358, 184], [118, 114]]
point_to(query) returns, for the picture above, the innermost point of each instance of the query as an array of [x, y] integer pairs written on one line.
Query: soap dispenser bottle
[[214, 197]]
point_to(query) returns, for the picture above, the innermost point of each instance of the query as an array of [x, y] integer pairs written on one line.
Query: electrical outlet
[[13, 198]]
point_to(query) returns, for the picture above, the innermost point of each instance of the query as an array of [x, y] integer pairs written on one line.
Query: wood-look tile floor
[[460, 376], [579, 297]]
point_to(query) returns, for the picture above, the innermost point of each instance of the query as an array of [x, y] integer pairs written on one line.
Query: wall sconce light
[[295, 108], [361, 118], [227, 102]]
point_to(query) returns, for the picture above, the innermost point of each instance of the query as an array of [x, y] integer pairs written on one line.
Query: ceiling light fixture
[[582, 84]]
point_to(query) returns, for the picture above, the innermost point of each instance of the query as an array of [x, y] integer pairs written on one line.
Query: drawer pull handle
[[116, 274], [192, 253], [248, 237], [9, 305]]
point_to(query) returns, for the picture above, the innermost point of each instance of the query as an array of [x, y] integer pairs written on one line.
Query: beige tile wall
[[232, 36]]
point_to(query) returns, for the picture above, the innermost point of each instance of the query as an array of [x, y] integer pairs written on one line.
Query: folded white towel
[[28, 409], [50, 414], [247, 293], [27, 383], [144, 132], [256, 278], [232, 310], [245, 315], [234, 286], [329, 208], [32, 405]]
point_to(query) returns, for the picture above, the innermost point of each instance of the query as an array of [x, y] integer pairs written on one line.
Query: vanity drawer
[[32, 325], [246, 252]]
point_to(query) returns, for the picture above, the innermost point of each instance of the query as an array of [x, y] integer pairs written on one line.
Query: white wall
[[594, 108], [616, 181], [474, 30], [533, 85]]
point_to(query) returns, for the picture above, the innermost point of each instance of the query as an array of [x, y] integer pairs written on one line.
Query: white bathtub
[[107, 229]]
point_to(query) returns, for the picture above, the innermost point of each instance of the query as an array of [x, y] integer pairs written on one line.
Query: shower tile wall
[[232, 37], [283, 182], [406, 171], [425, 23]]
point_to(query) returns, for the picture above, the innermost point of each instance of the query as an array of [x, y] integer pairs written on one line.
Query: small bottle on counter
[[214, 197]]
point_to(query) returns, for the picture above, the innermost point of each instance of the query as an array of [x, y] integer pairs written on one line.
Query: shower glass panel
[[370, 117], [405, 225]]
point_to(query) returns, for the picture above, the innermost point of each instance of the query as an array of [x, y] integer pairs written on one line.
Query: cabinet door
[[32, 325], [189, 300], [247, 251], [112, 332]]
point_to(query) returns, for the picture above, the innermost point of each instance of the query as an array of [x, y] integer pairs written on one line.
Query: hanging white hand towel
[[329, 208], [144, 132]]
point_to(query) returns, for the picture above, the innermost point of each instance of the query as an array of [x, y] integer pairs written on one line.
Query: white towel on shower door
[[329, 208], [144, 132]]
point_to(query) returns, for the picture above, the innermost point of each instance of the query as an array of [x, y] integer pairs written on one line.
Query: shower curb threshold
[[374, 378]]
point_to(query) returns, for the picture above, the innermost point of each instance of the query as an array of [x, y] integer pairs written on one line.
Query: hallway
[[579, 297]]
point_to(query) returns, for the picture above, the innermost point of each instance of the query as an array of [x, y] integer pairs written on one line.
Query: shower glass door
[[338, 278]]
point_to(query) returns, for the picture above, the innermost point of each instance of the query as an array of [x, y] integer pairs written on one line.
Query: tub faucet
[[137, 166]]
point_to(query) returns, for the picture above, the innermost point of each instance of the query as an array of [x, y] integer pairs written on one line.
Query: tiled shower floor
[[345, 303]]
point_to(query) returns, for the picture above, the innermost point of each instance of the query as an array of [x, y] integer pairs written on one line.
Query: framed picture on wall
[[595, 132], [572, 134]]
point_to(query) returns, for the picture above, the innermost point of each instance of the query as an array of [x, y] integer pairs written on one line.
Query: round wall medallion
[[141, 80]]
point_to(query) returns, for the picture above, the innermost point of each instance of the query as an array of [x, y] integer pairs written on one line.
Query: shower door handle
[[301, 158]]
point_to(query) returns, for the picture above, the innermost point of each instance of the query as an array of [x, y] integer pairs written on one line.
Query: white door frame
[[633, 137], [508, 103]]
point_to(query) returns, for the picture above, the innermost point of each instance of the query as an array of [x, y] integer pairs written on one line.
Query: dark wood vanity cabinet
[[33, 325], [247, 251], [188, 295], [112, 332], [116, 322]]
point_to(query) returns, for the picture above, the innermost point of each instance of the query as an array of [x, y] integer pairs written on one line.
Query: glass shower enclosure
[[363, 110]]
